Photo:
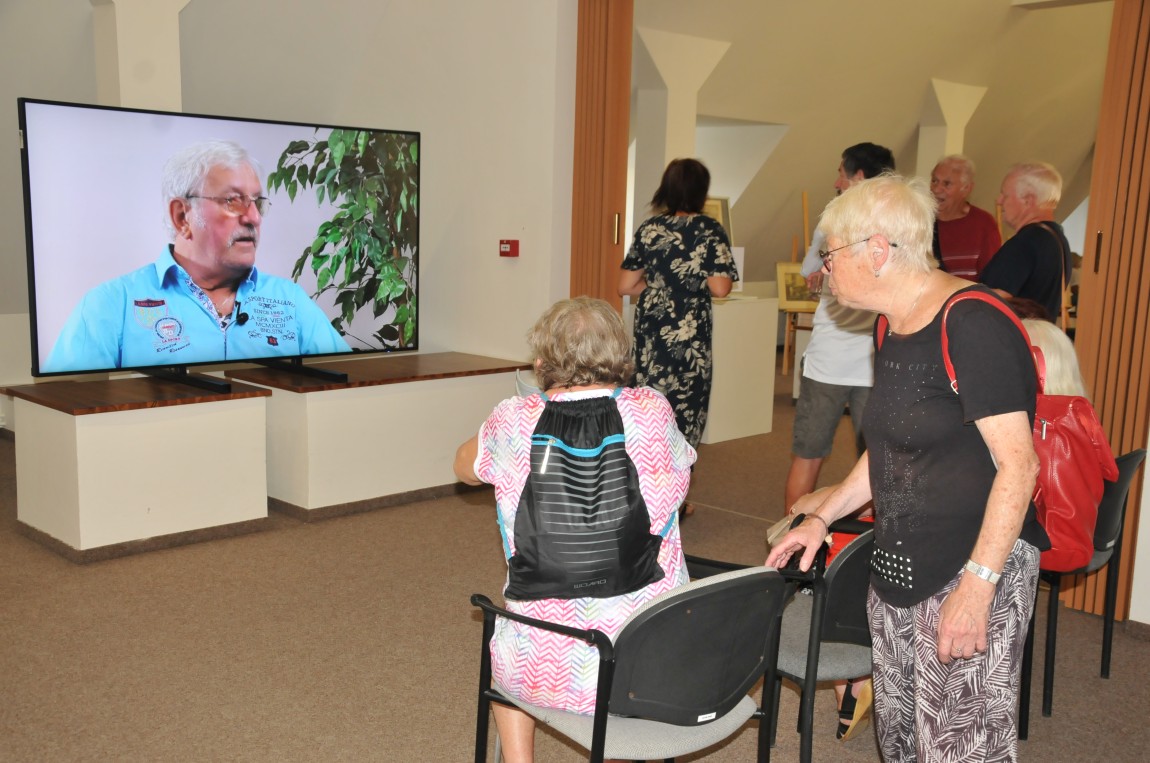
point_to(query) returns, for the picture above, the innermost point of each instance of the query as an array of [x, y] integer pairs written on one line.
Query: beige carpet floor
[[352, 639]]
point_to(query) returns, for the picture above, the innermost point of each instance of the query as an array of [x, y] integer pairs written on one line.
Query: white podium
[[743, 380], [385, 436], [106, 468]]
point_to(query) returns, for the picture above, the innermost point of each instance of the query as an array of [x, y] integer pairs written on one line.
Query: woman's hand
[[822, 507], [963, 618], [807, 537], [719, 286]]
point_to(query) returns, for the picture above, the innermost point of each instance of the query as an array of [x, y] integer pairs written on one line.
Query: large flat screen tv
[[159, 239]]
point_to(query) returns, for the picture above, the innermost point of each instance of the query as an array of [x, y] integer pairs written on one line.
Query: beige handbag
[[779, 529]]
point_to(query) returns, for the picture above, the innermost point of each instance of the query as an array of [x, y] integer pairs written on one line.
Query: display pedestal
[[107, 468], [387, 435], [743, 376]]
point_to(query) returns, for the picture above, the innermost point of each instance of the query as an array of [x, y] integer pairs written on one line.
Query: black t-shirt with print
[[930, 469]]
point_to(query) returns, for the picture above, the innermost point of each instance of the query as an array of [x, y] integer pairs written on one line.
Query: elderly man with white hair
[[203, 299], [966, 237], [1035, 262]]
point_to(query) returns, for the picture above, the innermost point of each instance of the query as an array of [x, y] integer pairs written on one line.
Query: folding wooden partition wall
[[602, 114], [1114, 302]]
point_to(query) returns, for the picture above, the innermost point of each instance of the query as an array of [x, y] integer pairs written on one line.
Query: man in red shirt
[[966, 237]]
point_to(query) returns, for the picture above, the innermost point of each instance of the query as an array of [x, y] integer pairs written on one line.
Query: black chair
[[1107, 553], [826, 636], [677, 676]]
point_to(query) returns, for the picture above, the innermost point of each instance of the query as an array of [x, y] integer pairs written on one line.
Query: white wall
[[46, 51], [489, 85]]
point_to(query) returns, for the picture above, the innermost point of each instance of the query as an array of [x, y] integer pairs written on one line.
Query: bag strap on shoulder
[[980, 296], [614, 394]]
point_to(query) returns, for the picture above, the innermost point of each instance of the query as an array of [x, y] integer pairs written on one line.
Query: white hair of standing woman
[[1063, 376], [901, 209]]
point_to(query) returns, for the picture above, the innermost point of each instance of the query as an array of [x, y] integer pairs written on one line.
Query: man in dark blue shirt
[[1034, 263]]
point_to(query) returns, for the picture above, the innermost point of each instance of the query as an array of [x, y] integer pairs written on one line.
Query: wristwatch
[[985, 573]]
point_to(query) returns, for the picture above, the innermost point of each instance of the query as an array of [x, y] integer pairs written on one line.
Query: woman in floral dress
[[679, 260]]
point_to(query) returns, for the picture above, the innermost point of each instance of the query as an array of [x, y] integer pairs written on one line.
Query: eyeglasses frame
[[827, 255], [263, 203]]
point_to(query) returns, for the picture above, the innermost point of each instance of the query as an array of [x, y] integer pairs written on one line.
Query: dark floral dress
[[673, 313]]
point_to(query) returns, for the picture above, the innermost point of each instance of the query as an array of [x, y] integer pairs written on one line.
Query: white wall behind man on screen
[[46, 50]]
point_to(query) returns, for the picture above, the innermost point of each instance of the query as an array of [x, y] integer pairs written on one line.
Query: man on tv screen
[[203, 300]]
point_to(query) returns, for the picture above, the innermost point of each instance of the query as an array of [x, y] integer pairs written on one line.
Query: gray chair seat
[[838, 660], [639, 739]]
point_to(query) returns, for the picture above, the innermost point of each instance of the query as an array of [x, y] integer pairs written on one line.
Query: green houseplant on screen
[[367, 253]]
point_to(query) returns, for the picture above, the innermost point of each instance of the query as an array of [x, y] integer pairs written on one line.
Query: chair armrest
[[701, 567], [848, 525], [791, 570], [596, 638]]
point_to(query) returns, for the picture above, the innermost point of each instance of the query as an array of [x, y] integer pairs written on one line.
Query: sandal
[[854, 710]]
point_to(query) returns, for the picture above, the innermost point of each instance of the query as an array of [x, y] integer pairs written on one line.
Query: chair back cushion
[[1111, 509], [847, 580], [690, 655]]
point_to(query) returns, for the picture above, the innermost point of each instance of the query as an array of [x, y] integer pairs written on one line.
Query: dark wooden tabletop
[[104, 396], [381, 369]]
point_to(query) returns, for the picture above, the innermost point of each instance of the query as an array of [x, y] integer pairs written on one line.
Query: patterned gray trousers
[[967, 710]]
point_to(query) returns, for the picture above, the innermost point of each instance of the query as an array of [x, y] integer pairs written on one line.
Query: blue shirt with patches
[[157, 316]]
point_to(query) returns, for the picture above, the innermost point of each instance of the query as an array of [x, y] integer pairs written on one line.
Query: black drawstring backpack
[[582, 528]]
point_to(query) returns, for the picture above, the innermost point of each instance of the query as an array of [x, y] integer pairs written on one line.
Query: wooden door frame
[[602, 122]]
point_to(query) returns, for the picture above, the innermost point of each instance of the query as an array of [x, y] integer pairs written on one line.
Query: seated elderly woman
[[951, 473], [586, 418], [1063, 376]]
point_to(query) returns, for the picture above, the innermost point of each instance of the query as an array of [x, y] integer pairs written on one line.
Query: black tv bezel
[[180, 369]]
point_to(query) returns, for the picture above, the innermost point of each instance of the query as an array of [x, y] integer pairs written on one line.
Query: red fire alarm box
[[508, 247]]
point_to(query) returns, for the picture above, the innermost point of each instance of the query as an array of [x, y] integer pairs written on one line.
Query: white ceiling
[[838, 72]]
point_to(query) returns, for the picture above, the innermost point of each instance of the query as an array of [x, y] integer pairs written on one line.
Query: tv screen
[[158, 239]]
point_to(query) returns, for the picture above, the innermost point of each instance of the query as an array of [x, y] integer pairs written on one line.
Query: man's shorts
[[818, 413]]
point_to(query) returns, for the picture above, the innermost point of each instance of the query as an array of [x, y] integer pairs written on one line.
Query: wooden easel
[[791, 320]]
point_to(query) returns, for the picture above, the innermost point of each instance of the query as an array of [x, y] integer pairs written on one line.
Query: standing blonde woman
[[951, 475]]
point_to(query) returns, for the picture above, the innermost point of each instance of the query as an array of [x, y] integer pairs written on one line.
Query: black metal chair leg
[[807, 722], [1055, 582], [1111, 604], [483, 712], [775, 713]]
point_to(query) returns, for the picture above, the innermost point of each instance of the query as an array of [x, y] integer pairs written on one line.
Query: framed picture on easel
[[794, 296], [718, 208]]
